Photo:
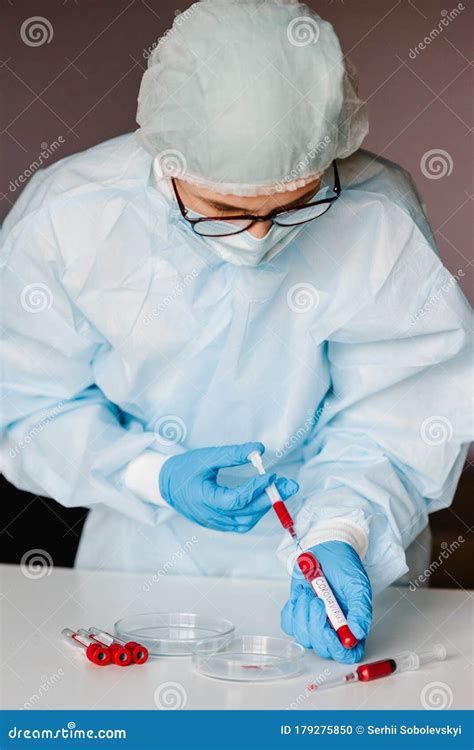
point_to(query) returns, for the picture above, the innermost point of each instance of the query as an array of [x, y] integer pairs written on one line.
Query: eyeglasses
[[218, 226]]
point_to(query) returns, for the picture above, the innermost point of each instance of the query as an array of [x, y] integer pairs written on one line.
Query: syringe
[[275, 498], [374, 670]]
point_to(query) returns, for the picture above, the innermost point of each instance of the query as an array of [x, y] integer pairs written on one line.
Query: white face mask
[[244, 249], [241, 249]]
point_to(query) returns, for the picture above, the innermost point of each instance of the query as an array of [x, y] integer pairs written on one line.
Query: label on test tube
[[311, 570], [333, 610]]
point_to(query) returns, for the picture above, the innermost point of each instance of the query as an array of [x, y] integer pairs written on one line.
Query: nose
[[260, 229]]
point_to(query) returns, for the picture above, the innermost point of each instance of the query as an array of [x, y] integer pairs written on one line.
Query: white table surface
[[41, 670]]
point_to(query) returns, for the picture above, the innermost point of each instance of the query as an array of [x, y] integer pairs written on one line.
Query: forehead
[[247, 202]]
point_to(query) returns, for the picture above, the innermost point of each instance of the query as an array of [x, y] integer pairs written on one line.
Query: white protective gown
[[126, 339]]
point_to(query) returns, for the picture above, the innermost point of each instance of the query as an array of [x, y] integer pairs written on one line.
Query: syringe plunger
[[410, 660], [255, 459]]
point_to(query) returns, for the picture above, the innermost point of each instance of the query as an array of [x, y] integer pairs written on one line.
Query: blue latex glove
[[188, 483], [304, 615]]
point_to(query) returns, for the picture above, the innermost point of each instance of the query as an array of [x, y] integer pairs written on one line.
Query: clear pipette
[[275, 498], [409, 660]]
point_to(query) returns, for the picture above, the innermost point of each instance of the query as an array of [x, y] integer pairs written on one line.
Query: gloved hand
[[188, 482], [304, 615]]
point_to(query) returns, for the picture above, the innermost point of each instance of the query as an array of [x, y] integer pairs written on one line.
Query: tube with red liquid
[[275, 498], [384, 667], [313, 573]]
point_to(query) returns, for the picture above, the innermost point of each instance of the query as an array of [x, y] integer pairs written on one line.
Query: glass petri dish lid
[[174, 633], [249, 658]]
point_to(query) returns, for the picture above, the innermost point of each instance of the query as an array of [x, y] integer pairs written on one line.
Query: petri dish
[[174, 633], [249, 658]]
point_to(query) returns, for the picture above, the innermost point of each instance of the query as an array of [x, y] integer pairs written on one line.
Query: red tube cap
[[139, 653], [121, 656], [98, 655], [346, 636], [309, 566]]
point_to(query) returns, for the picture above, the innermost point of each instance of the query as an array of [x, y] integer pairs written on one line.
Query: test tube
[[313, 573], [139, 653], [96, 653], [119, 655]]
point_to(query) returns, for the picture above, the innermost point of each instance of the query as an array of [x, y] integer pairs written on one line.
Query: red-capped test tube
[[274, 496], [97, 654], [119, 655], [313, 573], [138, 652]]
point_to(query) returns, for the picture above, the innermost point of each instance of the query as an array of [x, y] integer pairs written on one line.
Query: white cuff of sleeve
[[141, 477], [338, 530]]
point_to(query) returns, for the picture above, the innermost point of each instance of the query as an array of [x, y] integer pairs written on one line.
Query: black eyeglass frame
[[252, 218]]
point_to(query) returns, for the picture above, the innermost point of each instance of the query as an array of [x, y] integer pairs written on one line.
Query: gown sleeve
[[392, 436]]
